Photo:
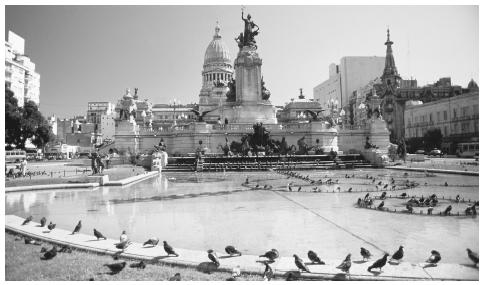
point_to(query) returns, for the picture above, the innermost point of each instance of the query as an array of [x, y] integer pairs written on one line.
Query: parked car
[[435, 152]]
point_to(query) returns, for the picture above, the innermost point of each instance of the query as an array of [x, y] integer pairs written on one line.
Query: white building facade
[[20, 75], [352, 73], [457, 117]]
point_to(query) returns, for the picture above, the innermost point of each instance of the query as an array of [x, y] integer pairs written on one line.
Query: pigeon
[[51, 253], [385, 186], [268, 272], [77, 228], [28, 220], [231, 250], [430, 210], [213, 257], [457, 199], [350, 189], [43, 249], [314, 257], [381, 205], [299, 189], [176, 277], [98, 235], [446, 183], [123, 237], [51, 226], [123, 245], [359, 201], [153, 242], [300, 264], [43, 221], [292, 276], [168, 249], [116, 267], [289, 188], [383, 195], [434, 258], [398, 255], [474, 210], [409, 208], [473, 256], [380, 183], [65, 249], [379, 263], [29, 240], [447, 210], [271, 255], [365, 253], [139, 265], [345, 265], [366, 195]]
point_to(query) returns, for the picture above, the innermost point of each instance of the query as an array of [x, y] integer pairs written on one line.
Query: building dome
[[217, 51], [472, 85]]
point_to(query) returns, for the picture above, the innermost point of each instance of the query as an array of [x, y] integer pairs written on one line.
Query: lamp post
[[174, 105]]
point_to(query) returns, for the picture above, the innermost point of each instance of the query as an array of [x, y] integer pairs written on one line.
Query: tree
[[432, 139], [22, 123], [13, 117]]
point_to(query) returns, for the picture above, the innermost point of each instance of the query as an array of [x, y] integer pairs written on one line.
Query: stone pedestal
[[126, 136], [249, 106], [248, 76]]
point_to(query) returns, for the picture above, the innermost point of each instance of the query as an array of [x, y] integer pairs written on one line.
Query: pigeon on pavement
[[314, 257], [77, 228], [98, 234], [365, 253], [168, 249], [473, 256], [51, 226], [28, 220], [300, 264], [346, 264], [43, 221], [379, 263], [231, 250], [213, 257], [398, 255], [434, 258], [152, 241]]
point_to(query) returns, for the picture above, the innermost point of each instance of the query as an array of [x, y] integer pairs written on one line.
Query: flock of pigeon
[[270, 255]]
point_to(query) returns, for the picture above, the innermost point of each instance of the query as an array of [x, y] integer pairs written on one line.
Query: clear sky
[[92, 53]]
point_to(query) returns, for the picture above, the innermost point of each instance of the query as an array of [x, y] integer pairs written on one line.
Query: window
[[446, 131], [445, 115], [438, 116], [454, 113], [430, 117]]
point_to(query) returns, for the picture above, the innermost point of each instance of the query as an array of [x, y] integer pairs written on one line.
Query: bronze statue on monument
[[249, 32]]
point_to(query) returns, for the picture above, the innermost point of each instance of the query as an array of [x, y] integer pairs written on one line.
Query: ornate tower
[[217, 72], [390, 77], [392, 107]]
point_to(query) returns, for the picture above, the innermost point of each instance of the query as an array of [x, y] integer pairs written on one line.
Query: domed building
[[217, 72]]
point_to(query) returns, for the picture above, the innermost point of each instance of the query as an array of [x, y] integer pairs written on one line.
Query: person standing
[[23, 166]]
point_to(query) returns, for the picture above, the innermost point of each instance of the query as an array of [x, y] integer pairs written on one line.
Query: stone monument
[[252, 98]]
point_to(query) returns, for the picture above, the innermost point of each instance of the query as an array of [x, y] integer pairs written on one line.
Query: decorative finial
[[218, 29], [301, 94], [388, 34]]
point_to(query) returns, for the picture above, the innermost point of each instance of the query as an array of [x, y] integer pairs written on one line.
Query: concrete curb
[[121, 182], [460, 172], [248, 263], [50, 187], [132, 179]]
